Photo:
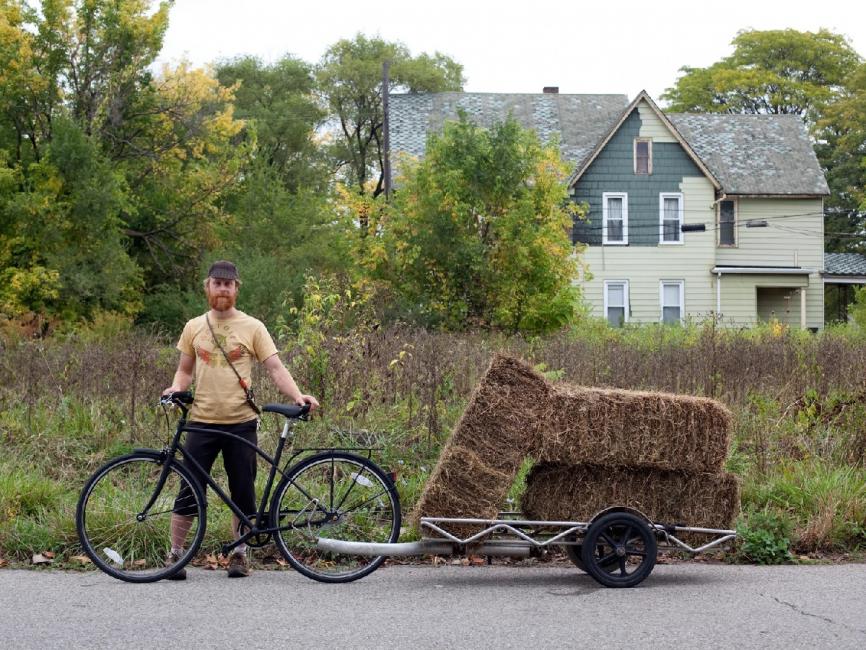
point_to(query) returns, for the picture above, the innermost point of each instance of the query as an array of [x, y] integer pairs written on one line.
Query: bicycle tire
[[297, 501], [112, 534]]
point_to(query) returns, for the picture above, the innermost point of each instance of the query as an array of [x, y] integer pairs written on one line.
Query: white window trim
[[649, 167], [679, 197], [625, 298], [682, 294], [614, 195], [719, 224]]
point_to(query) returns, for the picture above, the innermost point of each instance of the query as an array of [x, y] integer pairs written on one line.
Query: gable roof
[[764, 155], [642, 96], [755, 154], [579, 121]]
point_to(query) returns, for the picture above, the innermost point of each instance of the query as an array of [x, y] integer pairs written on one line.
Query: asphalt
[[703, 606]]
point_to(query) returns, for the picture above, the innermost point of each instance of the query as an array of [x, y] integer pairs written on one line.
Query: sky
[[605, 46]]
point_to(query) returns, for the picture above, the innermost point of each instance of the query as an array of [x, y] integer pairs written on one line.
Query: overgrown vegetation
[[799, 400]]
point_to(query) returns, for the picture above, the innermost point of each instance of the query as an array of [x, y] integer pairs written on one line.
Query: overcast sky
[[606, 46]]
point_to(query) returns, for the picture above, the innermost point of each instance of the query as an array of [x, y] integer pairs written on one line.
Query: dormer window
[[643, 156]]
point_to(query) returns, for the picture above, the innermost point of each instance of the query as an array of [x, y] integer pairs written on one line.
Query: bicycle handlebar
[[177, 397]]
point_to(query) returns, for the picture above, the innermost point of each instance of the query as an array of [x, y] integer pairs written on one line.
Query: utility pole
[[386, 140]]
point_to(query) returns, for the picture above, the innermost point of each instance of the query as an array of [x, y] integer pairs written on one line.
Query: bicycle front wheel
[[121, 534], [337, 495]]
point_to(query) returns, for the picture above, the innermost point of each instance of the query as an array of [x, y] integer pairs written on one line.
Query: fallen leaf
[[477, 560], [3, 562], [83, 559], [282, 562], [465, 561], [48, 554], [139, 563], [39, 558]]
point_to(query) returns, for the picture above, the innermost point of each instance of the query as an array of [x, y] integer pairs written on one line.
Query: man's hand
[[308, 399]]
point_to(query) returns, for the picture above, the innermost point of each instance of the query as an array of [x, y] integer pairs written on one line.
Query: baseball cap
[[223, 270]]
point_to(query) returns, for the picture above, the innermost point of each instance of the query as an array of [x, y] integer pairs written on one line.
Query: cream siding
[[794, 236], [652, 126], [646, 266]]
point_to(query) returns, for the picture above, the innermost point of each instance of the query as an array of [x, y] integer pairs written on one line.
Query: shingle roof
[[754, 154], [844, 264], [748, 154], [579, 121]]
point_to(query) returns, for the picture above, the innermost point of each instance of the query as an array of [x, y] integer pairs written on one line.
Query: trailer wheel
[[574, 553], [619, 550]]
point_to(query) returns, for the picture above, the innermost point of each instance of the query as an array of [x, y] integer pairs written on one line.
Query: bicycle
[[124, 512]]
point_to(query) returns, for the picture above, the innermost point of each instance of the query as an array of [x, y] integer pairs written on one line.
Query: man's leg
[[240, 464], [204, 449]]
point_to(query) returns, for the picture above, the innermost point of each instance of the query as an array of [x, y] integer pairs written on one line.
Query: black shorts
[[239, 461]]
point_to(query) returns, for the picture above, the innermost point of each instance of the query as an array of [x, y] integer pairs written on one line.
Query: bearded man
[[218, 349]]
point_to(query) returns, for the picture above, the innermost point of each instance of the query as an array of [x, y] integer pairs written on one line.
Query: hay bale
[[514, 412], [624, 428], [495, 433], [556, 491]]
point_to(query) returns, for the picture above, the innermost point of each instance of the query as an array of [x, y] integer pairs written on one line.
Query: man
[[210, 347]]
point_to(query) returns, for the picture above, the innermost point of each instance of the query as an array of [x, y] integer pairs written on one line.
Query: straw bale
[[624, 428], [495, 433], [556, 491]]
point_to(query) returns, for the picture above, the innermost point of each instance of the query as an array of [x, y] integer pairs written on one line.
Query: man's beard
[[219, 302]]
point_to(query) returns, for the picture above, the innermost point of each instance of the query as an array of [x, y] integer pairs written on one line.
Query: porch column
[[803, 308]]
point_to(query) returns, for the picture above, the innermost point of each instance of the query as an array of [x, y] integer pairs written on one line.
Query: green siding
[[613, 171]]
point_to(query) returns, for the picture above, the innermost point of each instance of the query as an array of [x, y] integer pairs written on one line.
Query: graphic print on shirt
[[214, 357]]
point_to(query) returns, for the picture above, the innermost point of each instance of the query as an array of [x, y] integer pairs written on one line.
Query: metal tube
[[424, 547]]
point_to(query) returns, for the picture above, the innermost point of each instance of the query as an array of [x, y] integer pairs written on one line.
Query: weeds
[[69, 404]]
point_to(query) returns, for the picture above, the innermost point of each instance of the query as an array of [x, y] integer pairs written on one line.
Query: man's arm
[[183, 375], [283, 380]]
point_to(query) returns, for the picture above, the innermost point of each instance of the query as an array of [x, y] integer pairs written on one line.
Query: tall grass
[[799, 402]]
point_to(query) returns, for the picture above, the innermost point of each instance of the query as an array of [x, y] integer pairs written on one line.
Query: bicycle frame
[[252, 529]]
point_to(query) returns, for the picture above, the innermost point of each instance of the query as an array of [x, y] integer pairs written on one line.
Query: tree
[[350, 79], [801, 73], [841, 149], [478, 233], [278, 104], [62, 253], [769, 72]]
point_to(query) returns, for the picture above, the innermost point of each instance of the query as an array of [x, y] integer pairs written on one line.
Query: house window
[[616, 302], [727, 223], [643, 156], [670, 218], [671, 297], [614, 218]]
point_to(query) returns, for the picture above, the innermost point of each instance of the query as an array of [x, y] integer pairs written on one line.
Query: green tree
[[801, 73], [478, 233], [279, 106], [62, 253], [350, 79], [842, 133], [769, 72]]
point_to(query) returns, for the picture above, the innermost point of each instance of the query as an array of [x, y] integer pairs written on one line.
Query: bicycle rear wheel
[[337, 495], [116, 532]]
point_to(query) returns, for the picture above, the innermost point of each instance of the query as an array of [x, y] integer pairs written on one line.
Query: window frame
[[604, 198], [626, 307], [649, 166], [682, 299], [736, 204], [680, 216]]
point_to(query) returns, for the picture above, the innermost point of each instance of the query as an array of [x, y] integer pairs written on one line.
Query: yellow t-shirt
[[219, 398]]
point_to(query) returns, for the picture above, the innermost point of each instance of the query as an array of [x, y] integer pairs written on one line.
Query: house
[[842, 273], [690, 215]]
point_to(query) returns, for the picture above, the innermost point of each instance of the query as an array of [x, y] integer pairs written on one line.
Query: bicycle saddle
[[288, 410]]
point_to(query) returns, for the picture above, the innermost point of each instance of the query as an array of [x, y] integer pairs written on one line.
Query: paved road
[[422, 606]]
